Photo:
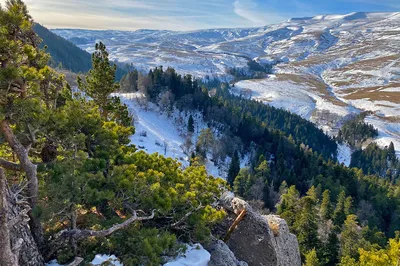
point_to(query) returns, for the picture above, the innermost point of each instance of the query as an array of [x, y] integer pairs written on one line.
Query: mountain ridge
[[341, 64]]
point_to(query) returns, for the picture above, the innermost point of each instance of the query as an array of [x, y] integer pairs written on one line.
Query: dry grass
[[274, 228], [390, 119], [314, 84], [371, 64], [375, 93]]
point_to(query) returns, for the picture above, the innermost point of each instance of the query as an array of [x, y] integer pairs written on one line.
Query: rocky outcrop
[[285, 243], [221, 255], [259, 240]]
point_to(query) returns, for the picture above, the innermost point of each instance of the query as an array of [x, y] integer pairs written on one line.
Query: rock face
[[285, 243], [221, 255], [260, 240]]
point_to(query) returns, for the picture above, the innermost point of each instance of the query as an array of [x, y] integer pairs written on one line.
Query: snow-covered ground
[[344, 154], [195, 255], [98, 260], [388, 132], [157, 131]]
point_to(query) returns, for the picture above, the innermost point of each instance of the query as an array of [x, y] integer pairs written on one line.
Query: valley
[[326, 68]]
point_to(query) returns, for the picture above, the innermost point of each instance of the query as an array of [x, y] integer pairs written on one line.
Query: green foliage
[[326, 207], [242, 182], [129, 82], [355, 131], [63, 53], [376, 160], [351, 238], [311, 259], [305, 226], [389, 256], [99, 82], [90, 177], [143, 246], [234, 168], [339, 214], [289, 205]]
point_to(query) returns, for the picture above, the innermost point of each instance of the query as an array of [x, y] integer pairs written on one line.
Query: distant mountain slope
[[63, 51], [68, 54], [326, 67]]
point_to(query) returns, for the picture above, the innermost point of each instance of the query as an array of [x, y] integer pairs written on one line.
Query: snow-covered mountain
[[327, 66]]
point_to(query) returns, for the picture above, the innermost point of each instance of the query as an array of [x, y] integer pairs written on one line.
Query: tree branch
[[9, 165], [80, 234], [184, 218]]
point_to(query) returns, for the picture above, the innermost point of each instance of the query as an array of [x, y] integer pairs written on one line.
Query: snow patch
[[98, 260], [344, 154], [387, 132], [195, 255]]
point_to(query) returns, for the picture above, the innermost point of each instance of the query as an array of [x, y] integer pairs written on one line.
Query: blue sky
[[188, 14]]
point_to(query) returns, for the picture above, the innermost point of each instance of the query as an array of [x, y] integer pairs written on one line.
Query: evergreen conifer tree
[[234, 168], [191, 124]]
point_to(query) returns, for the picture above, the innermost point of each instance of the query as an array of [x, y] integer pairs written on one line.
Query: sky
[[188, 14]]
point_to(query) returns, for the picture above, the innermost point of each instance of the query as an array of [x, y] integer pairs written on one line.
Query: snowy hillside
[[158, 131], [327, 66]]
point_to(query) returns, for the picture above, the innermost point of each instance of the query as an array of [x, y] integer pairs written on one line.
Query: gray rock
[[221, 255], [285, 243], [253, 240]]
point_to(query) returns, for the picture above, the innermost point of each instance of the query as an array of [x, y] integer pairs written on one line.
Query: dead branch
[[9, 165], [80, 234], [234, 225], [185, 217]]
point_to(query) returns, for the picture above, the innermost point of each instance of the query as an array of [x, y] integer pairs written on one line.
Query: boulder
[[221, 255], [259, 240]]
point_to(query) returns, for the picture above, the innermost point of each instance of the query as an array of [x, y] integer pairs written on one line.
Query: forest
[[355, 131], [337, 213], [72, 185]]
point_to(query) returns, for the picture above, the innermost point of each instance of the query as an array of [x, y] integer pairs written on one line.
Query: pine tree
[[326, 207], [351, 238], [306, 226], [190, 124], [234, 168], [289, 205], [391, 152], [242, 182], [312, 193], [339, 214], [311, 259], [100, 81], [330, 250], [348, 205]]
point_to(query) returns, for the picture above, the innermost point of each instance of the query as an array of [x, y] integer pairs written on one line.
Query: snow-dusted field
[[336, 64]]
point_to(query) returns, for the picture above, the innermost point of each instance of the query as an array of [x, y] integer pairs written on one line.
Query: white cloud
[[132, 14], [252, 12]]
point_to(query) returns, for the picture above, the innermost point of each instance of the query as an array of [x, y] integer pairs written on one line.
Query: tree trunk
[[15, 234], [7, 258], [73, 227], [30, 170]]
